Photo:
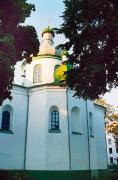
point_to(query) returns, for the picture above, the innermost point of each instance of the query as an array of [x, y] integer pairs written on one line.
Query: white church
[[44, 127]]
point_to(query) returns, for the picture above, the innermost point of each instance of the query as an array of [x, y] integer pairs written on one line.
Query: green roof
[[65, 52], [48, 29]]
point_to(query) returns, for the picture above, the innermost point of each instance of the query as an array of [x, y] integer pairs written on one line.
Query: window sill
[[6, 131], [76, 133], [54, 131]]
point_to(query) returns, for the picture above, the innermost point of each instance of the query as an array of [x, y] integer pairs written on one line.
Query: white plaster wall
[[47, 70], [100, 137], [18, 73], [92, 139], [12, 145], [57, 145], [50, 151], [78, 142], [47, 151], [35, 158]]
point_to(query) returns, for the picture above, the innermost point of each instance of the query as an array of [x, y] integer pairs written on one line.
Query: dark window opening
[[111, 160], [116, 150], [5, 120], [110, 150], [54, 120], [117, 160]]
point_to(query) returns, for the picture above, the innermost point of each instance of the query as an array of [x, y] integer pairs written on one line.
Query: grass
[[58, 175]]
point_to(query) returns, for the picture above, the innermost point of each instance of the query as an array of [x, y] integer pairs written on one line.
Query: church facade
[[44, 127]]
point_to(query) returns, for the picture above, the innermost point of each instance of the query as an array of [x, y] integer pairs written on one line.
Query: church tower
[[41, 69]]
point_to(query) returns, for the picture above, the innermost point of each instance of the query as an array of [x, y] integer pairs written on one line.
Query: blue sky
[[48, 12]]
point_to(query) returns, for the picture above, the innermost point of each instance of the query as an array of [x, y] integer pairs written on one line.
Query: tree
[[111, 114], [16, 41], [111, 118], [91, 29]]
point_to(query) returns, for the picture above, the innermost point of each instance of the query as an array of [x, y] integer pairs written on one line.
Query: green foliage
[[111, 118], [16, 41], [13, 175], [91, 28], [113, 167]]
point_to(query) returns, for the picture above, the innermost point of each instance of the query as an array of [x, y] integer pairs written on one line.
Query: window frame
[[109, 141], [37, 73], [9, 108], [54, 120], [6, 117]]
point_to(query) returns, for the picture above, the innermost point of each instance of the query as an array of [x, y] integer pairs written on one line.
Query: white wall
[[93, 139], [35, 158], [63, 151], [57, 145], [100, 137], [86, 155], [18, 73], [78, 142], [45, 150], [47, 70], [114, 154], [12, 145]]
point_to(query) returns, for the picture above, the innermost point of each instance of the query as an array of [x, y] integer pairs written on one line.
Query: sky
[[48, 12]]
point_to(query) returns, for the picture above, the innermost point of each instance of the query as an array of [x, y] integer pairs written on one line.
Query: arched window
[[76, 125], [54, 120], [37, 73], [5, 120], [91, 125]]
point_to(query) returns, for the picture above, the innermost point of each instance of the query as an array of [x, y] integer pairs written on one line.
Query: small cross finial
[[49, 22]]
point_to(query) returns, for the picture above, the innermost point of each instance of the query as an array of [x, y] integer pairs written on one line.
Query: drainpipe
[[87, 120], [68, 128], [26, 130]]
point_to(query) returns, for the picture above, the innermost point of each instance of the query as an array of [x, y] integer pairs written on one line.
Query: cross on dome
[[48, 30]]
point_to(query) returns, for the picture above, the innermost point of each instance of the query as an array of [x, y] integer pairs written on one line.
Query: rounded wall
[[47, 150], [13, 142], [48, 36], [47, 65]]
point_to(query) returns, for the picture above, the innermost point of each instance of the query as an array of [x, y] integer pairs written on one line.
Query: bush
[[113, 167]]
